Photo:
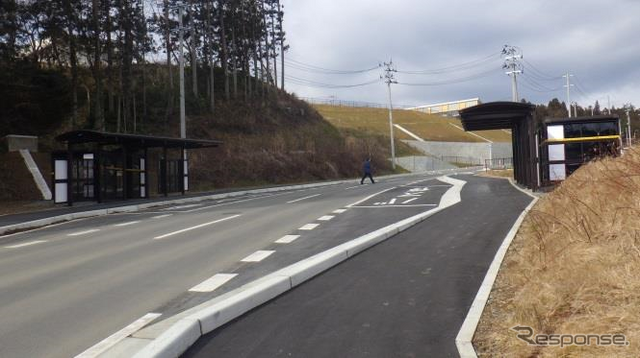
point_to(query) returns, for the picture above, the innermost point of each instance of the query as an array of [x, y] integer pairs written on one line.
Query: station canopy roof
[[494, 115], [133, 140]]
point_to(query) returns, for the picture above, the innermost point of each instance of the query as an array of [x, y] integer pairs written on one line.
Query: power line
[[540, 75], [454, 68], [454, 81], [540, 87], [314, 84], [317, 69]]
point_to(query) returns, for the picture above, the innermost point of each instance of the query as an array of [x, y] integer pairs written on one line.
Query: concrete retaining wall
[[480, 151]]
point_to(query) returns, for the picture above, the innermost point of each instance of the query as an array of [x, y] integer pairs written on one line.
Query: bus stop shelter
[[520, 119], [99, 166]]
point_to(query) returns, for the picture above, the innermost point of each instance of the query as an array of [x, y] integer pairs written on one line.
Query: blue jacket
[[367, 167]]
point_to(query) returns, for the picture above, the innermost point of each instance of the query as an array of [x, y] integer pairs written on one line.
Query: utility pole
[[389, 78], [629, 126], [183, 125], [512, 55], [568, 86]]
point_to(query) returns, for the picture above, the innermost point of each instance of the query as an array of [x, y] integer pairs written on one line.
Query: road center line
[[113, 339], [308, 227], [287, 239], [258, 256], [303, 198], [326, 218], [25, 244], [84, 232], [214, 282], [127, 223], [195, 227]]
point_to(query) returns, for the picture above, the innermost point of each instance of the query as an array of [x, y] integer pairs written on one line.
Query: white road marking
[[369, 197], [393, 206], [195, 227], [84, 232], [287, 239], [352, 187], [113, 339], [392, 201], [308, 227], [258, 256], [339, 211], [410, 200], [25, 244], [326, 218], [235, 202], [162, 216], [214, 282], [127, 223], [304, 198]]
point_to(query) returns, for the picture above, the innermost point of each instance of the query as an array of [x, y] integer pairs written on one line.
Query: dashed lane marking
[[25, 244], [326, 218], [258, 256], [303, 198], [410, 200], [84, 232], [195, 227], [309, 227], [287, 239], [162, 216], [339, 211], [127, 223], [214, 282]]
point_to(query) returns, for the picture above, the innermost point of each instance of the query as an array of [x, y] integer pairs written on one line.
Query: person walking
[[366, 168]]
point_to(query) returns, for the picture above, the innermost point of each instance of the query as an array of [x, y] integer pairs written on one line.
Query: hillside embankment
[[573, 268]]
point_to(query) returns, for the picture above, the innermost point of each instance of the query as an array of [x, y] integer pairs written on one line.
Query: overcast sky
[[598, 41]]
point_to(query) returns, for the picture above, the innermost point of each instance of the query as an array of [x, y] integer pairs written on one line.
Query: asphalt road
[[67, 287], [406, 297]]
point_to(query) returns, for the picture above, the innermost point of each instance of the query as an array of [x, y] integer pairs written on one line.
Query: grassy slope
[[428, 127], [573, 267]]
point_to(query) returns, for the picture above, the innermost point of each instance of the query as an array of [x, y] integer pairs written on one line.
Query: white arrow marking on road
[[214, 282], [258, 256], [112, 340], [392, 201], [287, 239], [25, 244], [195, 227], [408, 201]]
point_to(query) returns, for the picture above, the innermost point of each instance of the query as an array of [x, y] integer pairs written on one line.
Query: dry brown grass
[[427, 126], [507, 173], [574, 267]]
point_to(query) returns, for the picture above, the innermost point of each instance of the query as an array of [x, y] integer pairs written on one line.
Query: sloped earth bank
[[574, 268]]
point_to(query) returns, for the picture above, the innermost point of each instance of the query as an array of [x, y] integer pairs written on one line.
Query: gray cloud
[[595, 40]]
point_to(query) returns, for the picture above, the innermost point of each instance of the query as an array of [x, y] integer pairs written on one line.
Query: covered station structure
[[546, 152], [100, 166]]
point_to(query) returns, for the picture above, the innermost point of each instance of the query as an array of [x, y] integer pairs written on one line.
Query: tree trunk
[[167, 38], [74, 61], [234, 61], [99, 117], [109, 45], [224, 59]]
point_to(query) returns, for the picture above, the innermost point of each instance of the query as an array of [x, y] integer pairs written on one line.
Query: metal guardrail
[[498, 163]]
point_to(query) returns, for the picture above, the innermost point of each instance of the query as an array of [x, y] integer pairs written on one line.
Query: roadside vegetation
[[427, 126], [573, 267]]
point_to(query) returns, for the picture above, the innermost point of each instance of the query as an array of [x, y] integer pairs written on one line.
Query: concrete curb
[[464, 339], [180, 336], [132, 208]]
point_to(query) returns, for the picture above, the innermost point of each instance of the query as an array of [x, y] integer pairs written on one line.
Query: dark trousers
[[365, 176]]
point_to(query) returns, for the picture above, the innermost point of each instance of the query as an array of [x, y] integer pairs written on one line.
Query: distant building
[[446, 108]]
